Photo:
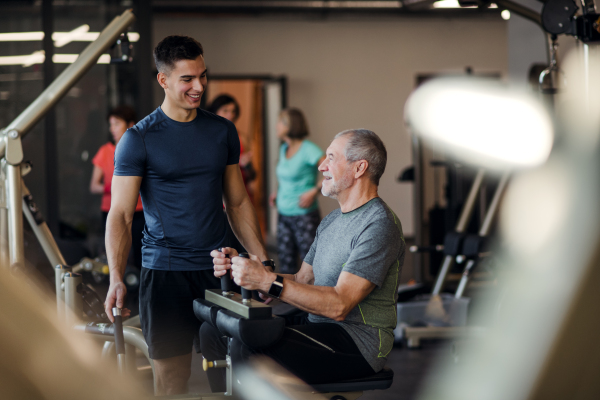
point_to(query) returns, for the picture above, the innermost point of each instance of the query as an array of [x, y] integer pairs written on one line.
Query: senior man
[[347, 283]]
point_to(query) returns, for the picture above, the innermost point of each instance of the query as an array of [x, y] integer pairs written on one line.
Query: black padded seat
[[379, 381]]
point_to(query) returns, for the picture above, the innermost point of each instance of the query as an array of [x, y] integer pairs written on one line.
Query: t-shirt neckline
[[360, 207], [171, 120]]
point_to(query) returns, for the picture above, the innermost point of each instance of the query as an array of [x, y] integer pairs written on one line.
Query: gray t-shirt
[[366, 242]]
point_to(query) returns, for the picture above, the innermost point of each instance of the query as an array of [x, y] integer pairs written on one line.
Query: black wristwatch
[[276, 287], [269, 263]]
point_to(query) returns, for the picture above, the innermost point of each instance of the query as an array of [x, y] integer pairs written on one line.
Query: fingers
[[114, 298], [229, 251], [266, 298], [219, 273]]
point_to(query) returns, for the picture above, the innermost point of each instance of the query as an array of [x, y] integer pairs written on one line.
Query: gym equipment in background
[[445, 316], [75, 301]]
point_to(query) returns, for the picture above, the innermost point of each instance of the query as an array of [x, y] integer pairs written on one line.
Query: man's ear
[[360, 168], [161, 77]]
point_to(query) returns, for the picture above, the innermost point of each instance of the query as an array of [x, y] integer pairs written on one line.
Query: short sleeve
[[313, 154], [310, 256], [376, 248], [99, 157], [233, 145], [130, 155]]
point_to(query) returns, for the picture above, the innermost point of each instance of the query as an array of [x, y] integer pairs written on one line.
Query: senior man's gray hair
[[364, 144]]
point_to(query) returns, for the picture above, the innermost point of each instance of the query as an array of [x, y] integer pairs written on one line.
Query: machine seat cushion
[[381, 380]]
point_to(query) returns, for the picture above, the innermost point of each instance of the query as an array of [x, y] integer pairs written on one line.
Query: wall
[[349, 72]]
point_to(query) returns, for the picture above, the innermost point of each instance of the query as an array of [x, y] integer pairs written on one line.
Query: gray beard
[[336, 187]]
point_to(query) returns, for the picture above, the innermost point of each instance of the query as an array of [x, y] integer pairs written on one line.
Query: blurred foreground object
[[481, 121], [263, 379], [543, 341], [42, 359]]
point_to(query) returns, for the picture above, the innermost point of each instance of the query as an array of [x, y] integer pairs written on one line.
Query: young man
[[184, 162], [347, 283]]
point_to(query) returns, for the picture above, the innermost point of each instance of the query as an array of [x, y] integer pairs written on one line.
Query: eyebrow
[[193, 76]]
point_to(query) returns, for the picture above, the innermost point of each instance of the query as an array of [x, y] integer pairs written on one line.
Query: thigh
[[319, 353], [306, 231], [166, 309]]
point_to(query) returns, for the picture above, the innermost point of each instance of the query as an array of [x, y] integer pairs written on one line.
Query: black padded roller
[[206, 311], [254, 333]]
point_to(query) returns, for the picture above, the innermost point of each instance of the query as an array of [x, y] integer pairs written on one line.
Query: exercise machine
[[462, 247], [241, 317]]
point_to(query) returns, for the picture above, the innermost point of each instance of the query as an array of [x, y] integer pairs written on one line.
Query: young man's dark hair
[[126, 113], [174, 48], [223, 100]]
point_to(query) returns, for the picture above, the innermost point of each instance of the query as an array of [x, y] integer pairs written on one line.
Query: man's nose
[[323, 165], [198, 86]]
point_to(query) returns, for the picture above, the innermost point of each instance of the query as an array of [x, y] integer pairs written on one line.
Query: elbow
[[340, 313], [339, 317]]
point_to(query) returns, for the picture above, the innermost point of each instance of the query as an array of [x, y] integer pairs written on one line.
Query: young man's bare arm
[[241, 212], [124, 197]]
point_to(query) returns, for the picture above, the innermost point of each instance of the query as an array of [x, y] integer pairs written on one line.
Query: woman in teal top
[[298, 187]]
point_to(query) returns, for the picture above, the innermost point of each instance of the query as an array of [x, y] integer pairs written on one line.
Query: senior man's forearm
[[319, 300]]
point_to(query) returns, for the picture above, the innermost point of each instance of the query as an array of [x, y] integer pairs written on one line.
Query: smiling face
[[336, 169], [184, 84]]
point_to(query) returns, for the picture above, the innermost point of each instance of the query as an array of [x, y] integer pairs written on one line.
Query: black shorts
[[166, 309]]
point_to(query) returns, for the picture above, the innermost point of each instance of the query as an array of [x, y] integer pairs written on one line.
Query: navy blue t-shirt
[[182, 165]]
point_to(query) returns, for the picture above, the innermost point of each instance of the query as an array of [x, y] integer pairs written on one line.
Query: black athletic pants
[[316, 353]]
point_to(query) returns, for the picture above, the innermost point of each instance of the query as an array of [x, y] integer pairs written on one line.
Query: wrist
[[271, 276], [270, 264], [115, 278]]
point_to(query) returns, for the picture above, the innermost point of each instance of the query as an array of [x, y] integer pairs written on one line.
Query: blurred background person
[[120, 119], [227, 107], [298, 187]]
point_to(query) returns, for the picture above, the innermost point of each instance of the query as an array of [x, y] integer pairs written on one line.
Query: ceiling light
[[70, 36], [57, 36]]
